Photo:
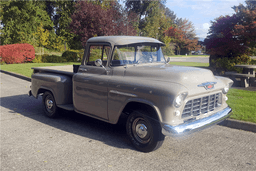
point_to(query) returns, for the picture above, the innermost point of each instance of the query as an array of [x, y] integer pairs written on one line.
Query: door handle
[[83, 70]]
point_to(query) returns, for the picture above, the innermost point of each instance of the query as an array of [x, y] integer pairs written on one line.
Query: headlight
[[179, 99]]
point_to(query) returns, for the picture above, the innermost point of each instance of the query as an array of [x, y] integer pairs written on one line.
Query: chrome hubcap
[[141, 130], [49, 104]]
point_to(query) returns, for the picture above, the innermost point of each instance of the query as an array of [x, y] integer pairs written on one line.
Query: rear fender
[[59, 85]]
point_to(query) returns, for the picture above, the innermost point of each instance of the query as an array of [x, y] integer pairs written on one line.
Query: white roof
[[124, 40]]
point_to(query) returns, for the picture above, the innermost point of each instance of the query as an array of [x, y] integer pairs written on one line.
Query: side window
[[98, 52]]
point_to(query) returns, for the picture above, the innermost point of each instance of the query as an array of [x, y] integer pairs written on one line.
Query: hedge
[[53, 59], [17, 53], [70, 56], [220, 65]]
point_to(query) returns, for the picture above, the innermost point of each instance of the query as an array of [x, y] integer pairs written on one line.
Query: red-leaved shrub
[[17, 53]]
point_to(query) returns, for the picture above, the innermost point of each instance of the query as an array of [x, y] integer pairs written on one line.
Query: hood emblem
[[207, 85]]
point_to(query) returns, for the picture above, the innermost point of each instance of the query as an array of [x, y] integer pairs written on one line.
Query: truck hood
[[171, 73]]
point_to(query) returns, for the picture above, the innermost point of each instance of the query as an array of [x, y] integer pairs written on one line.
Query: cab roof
[[123, 40]]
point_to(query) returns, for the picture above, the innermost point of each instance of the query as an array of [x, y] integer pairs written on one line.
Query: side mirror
[[98, 62], [168, 60]]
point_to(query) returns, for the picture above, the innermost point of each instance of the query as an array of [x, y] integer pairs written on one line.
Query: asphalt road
[[190, 59], [31, 141]]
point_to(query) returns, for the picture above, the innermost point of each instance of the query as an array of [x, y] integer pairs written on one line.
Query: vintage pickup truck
[[128, 77]]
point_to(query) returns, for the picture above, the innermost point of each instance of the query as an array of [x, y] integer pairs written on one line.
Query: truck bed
[[57, 80], [67, 69]]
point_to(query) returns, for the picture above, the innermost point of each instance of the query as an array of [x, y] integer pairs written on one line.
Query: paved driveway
[[190, 59], [31, 141]]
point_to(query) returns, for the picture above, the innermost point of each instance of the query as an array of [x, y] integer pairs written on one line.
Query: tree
[[187, 27], [176, 37], [138, 7], [127, 22], [20, 20], [168, 13], [245, 28], [232, 36], [60, 13], [221, 40], [90, 20], [183, 36], [250, 4], [154, 18], [142, 8], [152, 21], [156, 22], [62, 20], [42, 36]]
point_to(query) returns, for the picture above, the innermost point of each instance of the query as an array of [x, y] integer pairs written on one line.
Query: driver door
[[90, 84]]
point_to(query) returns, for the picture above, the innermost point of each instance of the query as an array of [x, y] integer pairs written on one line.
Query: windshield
[[137, 54]]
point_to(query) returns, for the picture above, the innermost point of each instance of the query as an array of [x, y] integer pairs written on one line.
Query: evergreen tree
[[152, 22], [156, 22], [142, 9], [62, 20], [21, 19]]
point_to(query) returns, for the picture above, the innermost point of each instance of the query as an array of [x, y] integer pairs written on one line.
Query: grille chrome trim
[[203, 105]]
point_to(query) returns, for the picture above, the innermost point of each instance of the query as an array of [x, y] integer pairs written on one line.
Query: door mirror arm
[[98, 62]]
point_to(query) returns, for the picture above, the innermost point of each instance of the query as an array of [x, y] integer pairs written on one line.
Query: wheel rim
[[49, 104], [141, 130]]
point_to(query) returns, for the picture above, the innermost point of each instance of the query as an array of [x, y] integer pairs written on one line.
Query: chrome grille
[[201, 105]]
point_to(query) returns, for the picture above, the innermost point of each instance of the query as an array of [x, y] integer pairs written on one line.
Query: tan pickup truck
[[128, 77]]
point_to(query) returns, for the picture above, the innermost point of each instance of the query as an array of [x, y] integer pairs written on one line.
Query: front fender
[[158, 95], [147, 103], [114, 119]]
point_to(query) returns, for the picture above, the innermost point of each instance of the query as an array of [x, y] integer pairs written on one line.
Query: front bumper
[[185, 128]]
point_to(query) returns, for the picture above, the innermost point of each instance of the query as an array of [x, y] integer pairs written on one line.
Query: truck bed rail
[[66, 70]]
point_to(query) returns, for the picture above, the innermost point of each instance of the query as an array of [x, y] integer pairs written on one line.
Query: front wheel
[[144, 132], [49, 104]]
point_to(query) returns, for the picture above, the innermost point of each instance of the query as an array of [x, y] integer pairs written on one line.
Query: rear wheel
[[144, 132], [50, 108]]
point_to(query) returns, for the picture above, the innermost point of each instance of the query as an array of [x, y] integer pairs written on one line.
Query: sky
[[202, 12]]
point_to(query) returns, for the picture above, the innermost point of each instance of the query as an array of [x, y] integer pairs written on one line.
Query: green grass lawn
[[25, 69], [243, 104], [194, 64], [189, 56]]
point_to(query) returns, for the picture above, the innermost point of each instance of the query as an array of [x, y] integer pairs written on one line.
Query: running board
[[67, 107]]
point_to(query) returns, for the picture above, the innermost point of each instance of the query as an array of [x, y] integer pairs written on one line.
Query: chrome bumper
[[185, 128]]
